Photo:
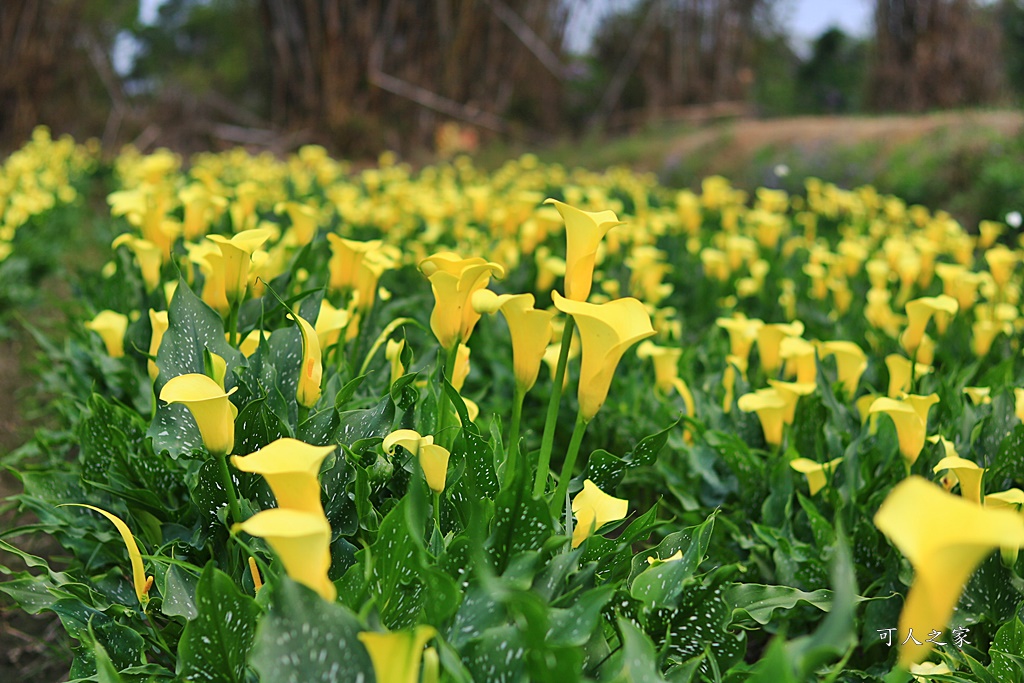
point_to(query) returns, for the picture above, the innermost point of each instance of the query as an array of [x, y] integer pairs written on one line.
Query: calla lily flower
[[1013, 500], [393, 353], [1018, 404], [817, 473], [147, 255], [771, 411], [111, 326], [945, 538], [923, 672], [769, 339], [454, 280], [967, 472], [302, 541], [593, 509], [584, 231], [733, 365], [742, 334], [311, 373], [158, 324], [291, 468], [790, 392], [396, 656], [530, 330], [920, 311], [899, 373], [208, 257], [303, 218], [433, 458], [666, 371], [209, 404], [140, 581], [330, 322], [979, 395], [237, 253], [606, 331], [346, 255], [461, 368], [800, 360], [251, 342], [911, 419], [851, 362]]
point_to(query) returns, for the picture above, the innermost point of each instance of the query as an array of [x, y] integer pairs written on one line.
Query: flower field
[[327, 423]]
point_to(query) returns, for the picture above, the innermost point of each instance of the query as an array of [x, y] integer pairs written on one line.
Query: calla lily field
[[320, 422]]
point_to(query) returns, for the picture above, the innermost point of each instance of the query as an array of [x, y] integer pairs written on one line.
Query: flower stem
[[444, 405], [233, 324], [512, 460], [548, 440], [570, 462], [229, 486], [437, 511]]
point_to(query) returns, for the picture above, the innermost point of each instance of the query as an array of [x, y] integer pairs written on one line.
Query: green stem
[[548, 440], [512, 461], [444, 405], [303, 415], [558, 500], [229, 486], [233, 325], [437, 511]]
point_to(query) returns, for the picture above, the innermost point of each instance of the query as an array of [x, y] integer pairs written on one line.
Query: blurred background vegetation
[[437, 77]]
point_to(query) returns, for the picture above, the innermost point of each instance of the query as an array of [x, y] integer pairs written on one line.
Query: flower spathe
[[584, 231], [911, 419], [817, 473], [453, 280], [111, 327], [606, 331], [945, 538], [237, 253], [210, 406], [529, 328], [593, 509], [851, 362], [291, 468], [396, 655], [158, 324], [433, 457], [967, 473], [312, 369], [302, 540], [771, 411], [920, 311], [140, 581]]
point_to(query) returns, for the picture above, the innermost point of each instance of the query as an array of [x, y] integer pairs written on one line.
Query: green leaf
[[304, 639], [521, 522], [215, 645], [661, 584], [179, 593], [638, 661], [759, 602], [1009, 642]]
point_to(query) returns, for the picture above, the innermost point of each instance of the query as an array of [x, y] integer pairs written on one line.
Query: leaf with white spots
[[215, 645], [304, 639]]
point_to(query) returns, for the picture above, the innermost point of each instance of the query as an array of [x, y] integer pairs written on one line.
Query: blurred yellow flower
[[396, 655], [237, 254], [899, 373], [771, 411], [769, 339], [158, 326], [817, 473], [851, 362], [147, 255], [967, 473], [911, 419], [593, 509], [111, 326], [945, 538], [433, 458], [920, 312]]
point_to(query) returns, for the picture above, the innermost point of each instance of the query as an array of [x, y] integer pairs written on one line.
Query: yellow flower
[[790, 392], [899, 373], [771, 411], [346, 255], [251, 342], [967, 473], [593, 509], [158, 325], [140, 581], [454, 280], [237, 253], [800, 360], [945, 538], [584, 231], [742, 334], [979, 396], [733, 365], [606, 331], [393, 353], [769, 338], [461, 369], [1013, 500], [983, 334], [850, 363], [209, 404], [302, 541], [529, 328], [312, 370], [1018, 404], [211, 262], [291, 468], [111, 326], [330, 322], [920, 311], [303, 218], [911, 419], [147, 255], [817, 473], [666, 371], [396, 655], [433, 458], [923, 672]]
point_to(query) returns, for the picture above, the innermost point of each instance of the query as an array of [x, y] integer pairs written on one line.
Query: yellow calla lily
[[1013, 500], [147, 255], [209, 404], [302, 541], [593, 509], [967, 472], [461, 368], [666, 371], [733, 365], [911, 419], [529, 328], [158, 325], [769, 339], [453, 280], [945, 538], [140, 581], [433, 457], [606, 331], [923, 672], [346, 255], [800, 360], [237, 253], [208, 257], [851, 362], [920, 312], [330, 322], [291, 468], [396, 656], [111, 326], [979, 395], [742, 334], [817, 473], [584, 231], [899, 373], [312, 369], [251, 342], [790, 392], [303, 218], [393, 353], [771, 411]]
